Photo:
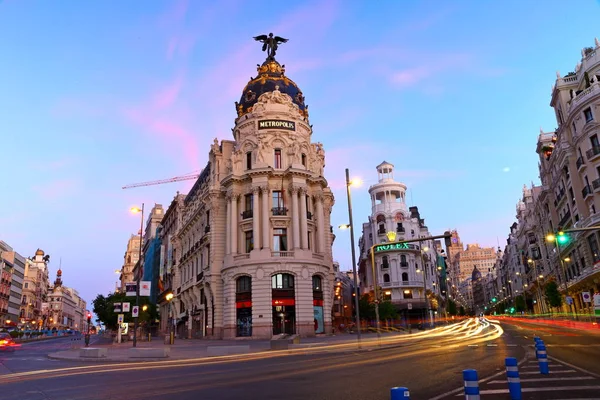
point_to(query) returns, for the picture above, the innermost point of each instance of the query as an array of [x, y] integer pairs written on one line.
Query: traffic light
[[89, 318], [494, 299], [562, 238]]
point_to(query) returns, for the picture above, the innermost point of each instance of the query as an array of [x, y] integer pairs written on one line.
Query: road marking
[[574, 378], [473, 345], [492, 345], [553, 372], [526, 390]]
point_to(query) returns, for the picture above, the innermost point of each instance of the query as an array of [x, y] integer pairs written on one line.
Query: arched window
[[404, 277], [317, 283], [243, 284], [403, 262], [386, 277], [282, 281], [385, 262]]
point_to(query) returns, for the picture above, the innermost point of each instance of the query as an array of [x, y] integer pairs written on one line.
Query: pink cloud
[[168, 95]]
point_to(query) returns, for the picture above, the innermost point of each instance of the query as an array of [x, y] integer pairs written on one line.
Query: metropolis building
[[252, 253]]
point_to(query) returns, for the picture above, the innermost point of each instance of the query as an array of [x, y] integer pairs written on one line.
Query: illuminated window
[[277, 160]]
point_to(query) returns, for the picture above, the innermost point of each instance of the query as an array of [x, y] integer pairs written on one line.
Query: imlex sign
[[277, 124]]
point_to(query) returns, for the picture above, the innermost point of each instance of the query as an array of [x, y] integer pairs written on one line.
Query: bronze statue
[[270, 44]]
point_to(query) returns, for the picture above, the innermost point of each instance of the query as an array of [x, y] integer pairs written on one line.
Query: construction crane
[[161, 181]]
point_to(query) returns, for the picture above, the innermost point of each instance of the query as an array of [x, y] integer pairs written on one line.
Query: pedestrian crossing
[[564, 381]]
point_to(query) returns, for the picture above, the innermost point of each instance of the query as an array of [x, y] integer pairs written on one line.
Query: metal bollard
[[514, 381], [471, 384], [399, 393], [543, 359]]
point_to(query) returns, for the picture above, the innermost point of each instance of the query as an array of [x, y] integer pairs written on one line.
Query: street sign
[[569, 300], [117, 307], [120, 318], [410, 306], [126, 307], [135, 311], [145, 288], [597, 304], [130, 288], [587, 298]]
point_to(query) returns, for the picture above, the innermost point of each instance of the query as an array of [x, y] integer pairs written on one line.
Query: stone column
[[256, 217], [266, 229], [227, 224], [295, 218], [303, 222], [234, 223], [320, 223]]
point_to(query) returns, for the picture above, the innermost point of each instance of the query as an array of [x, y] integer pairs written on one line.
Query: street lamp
[[137, 278], [354, 273], [169, 297]]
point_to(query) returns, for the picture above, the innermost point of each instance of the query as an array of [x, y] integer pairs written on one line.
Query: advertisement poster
[[130, 289], [597, 304], [319, 322], [145, 288]]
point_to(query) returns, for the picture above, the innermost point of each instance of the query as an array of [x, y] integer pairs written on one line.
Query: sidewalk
[[185, 349]]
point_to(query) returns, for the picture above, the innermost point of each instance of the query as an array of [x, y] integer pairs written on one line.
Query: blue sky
[[96, 95]]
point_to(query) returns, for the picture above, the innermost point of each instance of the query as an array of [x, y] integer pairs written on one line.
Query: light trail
[[471, 331]]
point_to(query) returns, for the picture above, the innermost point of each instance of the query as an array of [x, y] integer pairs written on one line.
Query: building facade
[[343, 298], [12, 270], [65, 309], [407, 275], [35, 289], [131, 257], [254, 248]]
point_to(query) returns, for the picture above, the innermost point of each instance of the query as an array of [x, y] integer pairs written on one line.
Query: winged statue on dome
[[270, 44]]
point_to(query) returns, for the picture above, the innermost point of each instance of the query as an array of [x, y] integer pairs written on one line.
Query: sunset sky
[[98, 94]]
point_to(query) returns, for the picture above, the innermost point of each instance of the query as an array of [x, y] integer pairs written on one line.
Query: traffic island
[[92, 352], [149, 352]]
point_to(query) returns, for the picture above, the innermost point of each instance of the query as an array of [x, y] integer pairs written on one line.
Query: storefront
[[243, 305], [283, 304]]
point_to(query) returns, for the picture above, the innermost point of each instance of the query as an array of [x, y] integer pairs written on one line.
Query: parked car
[[7, 343]]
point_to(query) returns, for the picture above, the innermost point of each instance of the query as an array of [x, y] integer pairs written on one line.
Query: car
[[7, 343]]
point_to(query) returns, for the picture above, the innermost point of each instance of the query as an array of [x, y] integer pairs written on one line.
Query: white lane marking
[[473, 345], [574, 367], [565, 371], [546, 389], [551, 379], [492, 345]]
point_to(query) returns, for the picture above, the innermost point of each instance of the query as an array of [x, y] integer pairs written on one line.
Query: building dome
[[39, 252], [270, 75]]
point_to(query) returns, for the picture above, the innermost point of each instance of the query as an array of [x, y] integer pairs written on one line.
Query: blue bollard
[[399, 393], [537, 345], [543, 359], [471, 384], [512, 375]]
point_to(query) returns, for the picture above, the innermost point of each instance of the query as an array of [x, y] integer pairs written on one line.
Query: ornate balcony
[[593, 152], [580, 162], [309, 215], [287, 254], [586, 190], [279, 211], [596, 184], [247, 214]]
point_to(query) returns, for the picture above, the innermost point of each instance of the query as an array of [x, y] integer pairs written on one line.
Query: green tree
[[387, 310], [520, 304], [553, 296], [452, 310], [104, 309], [366, 307]]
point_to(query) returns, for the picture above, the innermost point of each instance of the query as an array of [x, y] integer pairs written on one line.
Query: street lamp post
[[554, 238], [354, 273], [137, 274], [422, 250], [169, 297]]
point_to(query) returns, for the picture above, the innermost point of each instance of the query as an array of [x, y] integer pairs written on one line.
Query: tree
[[553, 296], [520, 303], [104, 309], [366, 307], [452, 310], [387, 310]]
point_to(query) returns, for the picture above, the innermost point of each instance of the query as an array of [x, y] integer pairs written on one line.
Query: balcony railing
[[586, 190], [207, 229], [400, 230], [591, 153], [401, 284], [566, 218], [404, 264], [385, 265], [596, 184], [279, 211], [381, 231], [580, 162], [247, 214], [282, 254], [309, 215]]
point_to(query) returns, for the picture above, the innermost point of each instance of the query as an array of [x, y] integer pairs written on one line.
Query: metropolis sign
[[277, 124]]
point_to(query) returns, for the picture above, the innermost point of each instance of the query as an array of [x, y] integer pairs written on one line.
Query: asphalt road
[[429, 366]]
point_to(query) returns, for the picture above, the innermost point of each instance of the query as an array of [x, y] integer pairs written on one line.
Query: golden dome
[[39, 252]]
